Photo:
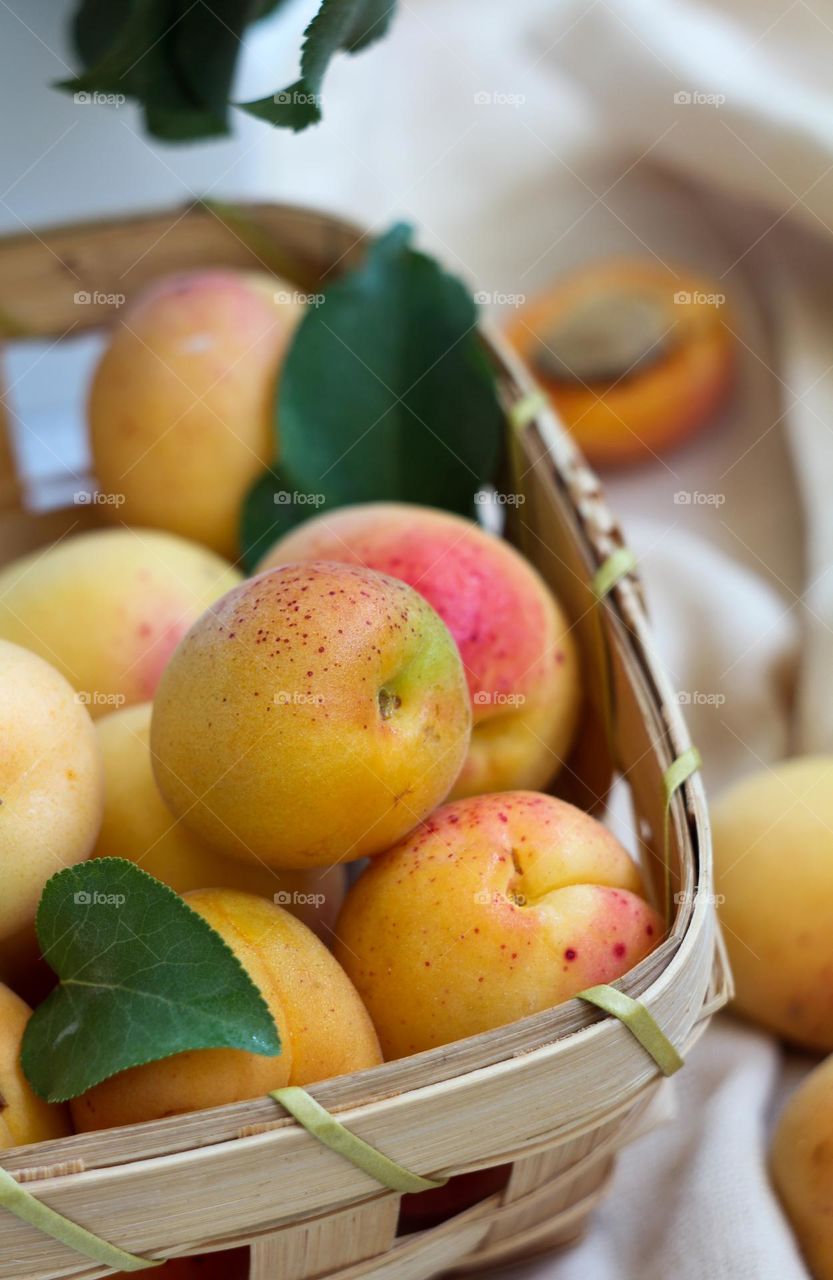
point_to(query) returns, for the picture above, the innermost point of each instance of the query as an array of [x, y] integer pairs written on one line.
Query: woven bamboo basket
[[554, 1095]]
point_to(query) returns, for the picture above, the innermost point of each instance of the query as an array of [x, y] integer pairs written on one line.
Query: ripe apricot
[[635, 358]]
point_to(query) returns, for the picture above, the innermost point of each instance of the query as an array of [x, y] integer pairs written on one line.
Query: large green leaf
[[142, 976], [385, 393]]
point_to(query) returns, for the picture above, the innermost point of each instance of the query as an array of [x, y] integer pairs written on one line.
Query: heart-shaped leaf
[[142, 976]]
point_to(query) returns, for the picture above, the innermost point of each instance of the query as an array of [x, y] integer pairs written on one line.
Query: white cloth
[[523, 139], [755, 142]]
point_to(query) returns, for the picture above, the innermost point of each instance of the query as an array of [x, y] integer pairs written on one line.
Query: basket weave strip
[[320, 1124], [24, 1205]]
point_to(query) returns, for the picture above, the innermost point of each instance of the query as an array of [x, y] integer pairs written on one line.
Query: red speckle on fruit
[[570, 953], [619, 950]]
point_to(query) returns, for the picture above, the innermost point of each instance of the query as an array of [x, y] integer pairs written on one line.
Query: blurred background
[[525, 141]]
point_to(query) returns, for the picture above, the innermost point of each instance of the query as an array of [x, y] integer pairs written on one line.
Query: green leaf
[[97, 26], [203, 50], [385, 393], [112, 42], [266, 8], [264, 517], [142, 976], [348, 25], [177, 58]]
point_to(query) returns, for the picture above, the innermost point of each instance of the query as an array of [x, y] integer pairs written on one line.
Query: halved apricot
[[635, 358]]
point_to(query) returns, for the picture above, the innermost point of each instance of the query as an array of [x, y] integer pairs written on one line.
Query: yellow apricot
[[314, 715], [138, 825], [773, 859], [24, 1117], [182, 402], [495, 907], [325, 1029], [520, 659], [108, 607], [802, 1167], [51, 789]]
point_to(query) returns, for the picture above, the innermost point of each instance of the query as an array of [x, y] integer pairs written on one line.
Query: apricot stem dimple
[[388, 703], [515, 894]]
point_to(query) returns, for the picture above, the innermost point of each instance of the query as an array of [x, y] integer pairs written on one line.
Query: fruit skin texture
[[51, 783], [324, 1028], [24, 1117], [521, 662], [802, 1167], [181, 404], [108, 608], [138, 825], [319, 711], [497, 907], [773, 858], [652, 410]]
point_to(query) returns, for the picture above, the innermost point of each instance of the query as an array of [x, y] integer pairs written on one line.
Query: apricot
[[24, 1117], [496, 907], [520, 660], [51, 790], [108, 607], [138, 825], [802, 1167], [634, 357], [181, 404], [324, 1028], [773, 857], [314, 715]]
